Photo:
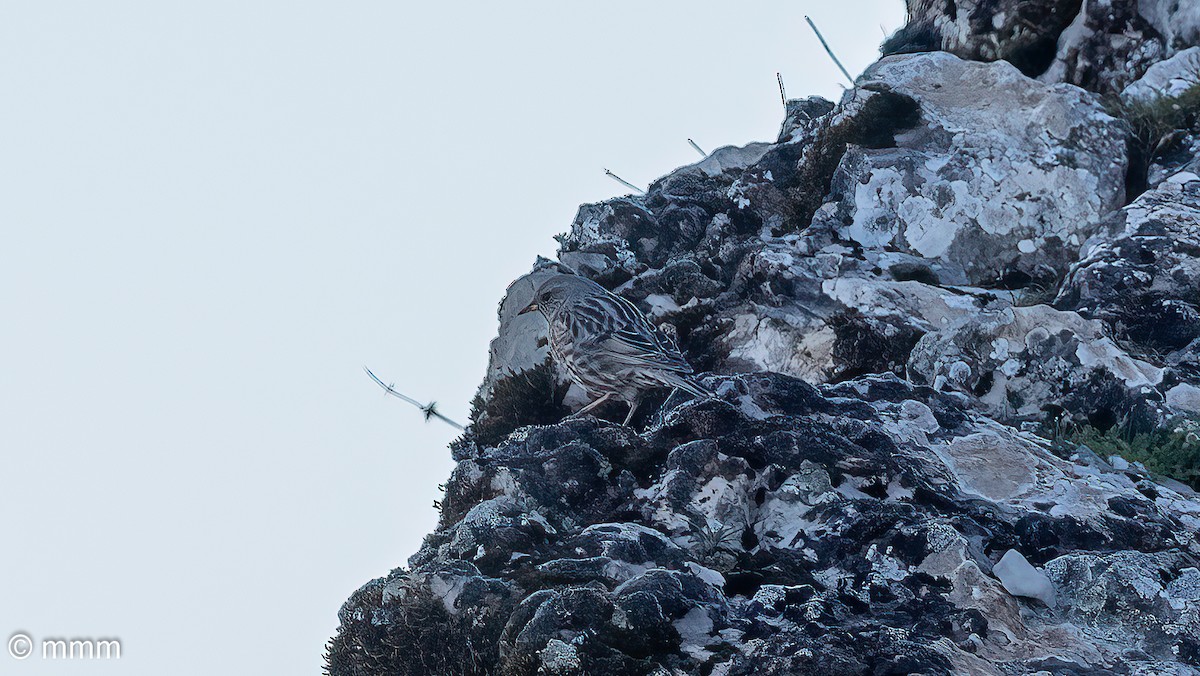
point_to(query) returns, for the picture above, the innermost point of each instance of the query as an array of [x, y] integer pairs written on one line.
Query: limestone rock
[[1021, 579], [1144, 283], [1018, 362], [1166, 79], [866, 491], [1110, 44], [1004, 187]]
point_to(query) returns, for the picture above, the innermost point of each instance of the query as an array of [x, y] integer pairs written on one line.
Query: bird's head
[[559, 291]]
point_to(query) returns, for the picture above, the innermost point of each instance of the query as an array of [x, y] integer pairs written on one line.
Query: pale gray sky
[[214, 213]]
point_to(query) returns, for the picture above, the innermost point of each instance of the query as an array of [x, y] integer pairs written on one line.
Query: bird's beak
[[528, 308]]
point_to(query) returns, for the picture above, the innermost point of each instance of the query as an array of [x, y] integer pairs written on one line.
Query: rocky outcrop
[[994, 187], [782, 529], [1144, 283], [925, 200], [909, 306], [1177, 22], [1100, 45], [1023, 33]]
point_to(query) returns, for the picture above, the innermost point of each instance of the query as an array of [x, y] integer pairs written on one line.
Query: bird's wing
[[613, 324]]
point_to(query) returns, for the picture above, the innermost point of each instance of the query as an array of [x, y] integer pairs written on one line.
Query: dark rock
[[1025, 34], [1098, 45], [873, 530]]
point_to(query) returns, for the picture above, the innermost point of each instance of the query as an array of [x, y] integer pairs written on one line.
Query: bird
[[606, 344]]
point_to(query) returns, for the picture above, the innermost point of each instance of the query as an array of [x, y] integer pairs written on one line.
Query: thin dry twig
[[430, 409], [623, 182], [829, 51]]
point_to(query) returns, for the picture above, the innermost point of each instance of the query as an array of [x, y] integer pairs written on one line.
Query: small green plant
[[710, 539], [1154, 119], [1158, 125], [1172, 450]]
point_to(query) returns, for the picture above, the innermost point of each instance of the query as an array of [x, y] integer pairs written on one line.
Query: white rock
[[707, 574], [695, 632], [729, 158], [977, 189], [559, 657], [1021, 579], [1168, 78], [1177, 20], [1184, 397], [919, 415]]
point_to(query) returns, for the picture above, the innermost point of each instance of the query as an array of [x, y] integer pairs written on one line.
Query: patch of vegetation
[[1158, 125], [711, 540], [1172, 450], [532, 397], [873, 124], [418, 637]]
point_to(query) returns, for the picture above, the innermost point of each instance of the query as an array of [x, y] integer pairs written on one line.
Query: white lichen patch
[[986, 198], [559, 658]]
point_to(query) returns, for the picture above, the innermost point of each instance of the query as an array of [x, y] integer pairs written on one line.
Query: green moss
[[1172, 450]]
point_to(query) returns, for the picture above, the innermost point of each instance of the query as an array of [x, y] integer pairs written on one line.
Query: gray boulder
[[1005, 186], [1023, 363], [1144, 283]]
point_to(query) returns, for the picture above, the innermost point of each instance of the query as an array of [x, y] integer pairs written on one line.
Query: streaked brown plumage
[[606, 344]]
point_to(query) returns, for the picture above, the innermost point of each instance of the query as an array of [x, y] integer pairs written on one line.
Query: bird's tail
[[688, 384]]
